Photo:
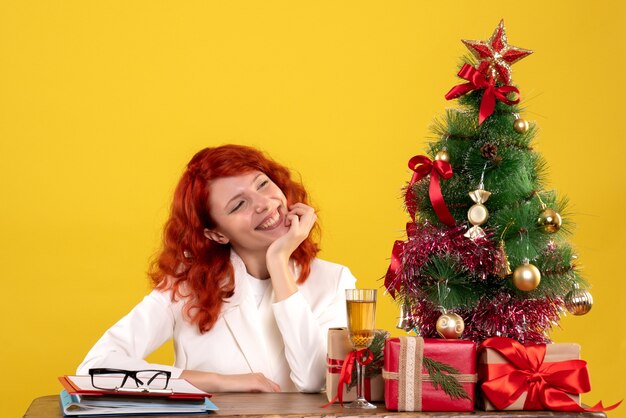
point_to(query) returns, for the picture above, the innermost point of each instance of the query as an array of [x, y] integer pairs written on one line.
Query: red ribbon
[[423, 166], [478, 81], [393, 271], [364, 357], [392, 284], [547, 384]]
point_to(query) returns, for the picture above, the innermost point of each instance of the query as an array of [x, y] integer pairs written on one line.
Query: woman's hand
[[300, 220], [214, 382]]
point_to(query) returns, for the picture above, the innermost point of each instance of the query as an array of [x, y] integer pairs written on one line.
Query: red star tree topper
[[496, 55]]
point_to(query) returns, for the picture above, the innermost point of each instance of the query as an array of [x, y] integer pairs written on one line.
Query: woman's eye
[[263, 183], [237, 206]]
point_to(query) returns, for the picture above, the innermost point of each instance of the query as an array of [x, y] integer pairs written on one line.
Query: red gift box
[[409, 386], [533, 377]]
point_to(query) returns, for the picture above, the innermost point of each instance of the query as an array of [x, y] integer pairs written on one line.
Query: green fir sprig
[[447, 283], [443, 376]]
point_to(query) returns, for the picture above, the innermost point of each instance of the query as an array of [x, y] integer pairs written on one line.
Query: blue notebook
[[81, 405]]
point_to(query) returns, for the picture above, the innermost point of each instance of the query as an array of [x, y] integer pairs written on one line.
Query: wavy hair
[[199, 269]]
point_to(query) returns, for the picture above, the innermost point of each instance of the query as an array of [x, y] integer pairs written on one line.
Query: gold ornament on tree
[[478, 213], [549, 219], [526, 277], [505, 269], [450, 326], [520, 125], [578, 301], [405, 321], [443, 155]]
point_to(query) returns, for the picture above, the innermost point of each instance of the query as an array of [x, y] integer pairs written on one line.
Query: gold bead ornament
[[578, 301], [526, 277], [450, 326], [549, 220], [520, 125], [443, 155]]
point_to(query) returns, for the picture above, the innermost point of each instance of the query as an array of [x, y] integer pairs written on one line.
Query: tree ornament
[[505, 269], [450, 326], [478, 213], [520, 125], [443, 155], [489, 151], [496, 55], [526, 277], [549, 220], [578, 301], [405, 321]]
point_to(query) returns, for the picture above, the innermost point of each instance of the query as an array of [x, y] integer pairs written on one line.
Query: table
[[304, 405]]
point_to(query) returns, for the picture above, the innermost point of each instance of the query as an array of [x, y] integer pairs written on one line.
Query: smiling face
[[248, 210]]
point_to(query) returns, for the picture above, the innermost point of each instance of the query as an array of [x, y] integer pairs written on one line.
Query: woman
[[236, 285]]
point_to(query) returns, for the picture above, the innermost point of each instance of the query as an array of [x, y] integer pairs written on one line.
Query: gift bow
[[364, 357], [423, 166], [547, 384], [478, 81]]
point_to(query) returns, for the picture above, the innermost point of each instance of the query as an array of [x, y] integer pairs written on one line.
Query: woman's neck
[[255, 263]]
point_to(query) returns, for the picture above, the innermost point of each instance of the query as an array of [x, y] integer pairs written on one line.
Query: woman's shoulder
[[167, 296]]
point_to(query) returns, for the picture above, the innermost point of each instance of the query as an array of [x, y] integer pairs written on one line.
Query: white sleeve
[[132, 338], [305, 333]]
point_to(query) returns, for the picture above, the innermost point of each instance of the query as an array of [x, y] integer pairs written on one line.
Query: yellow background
[[103, 102]]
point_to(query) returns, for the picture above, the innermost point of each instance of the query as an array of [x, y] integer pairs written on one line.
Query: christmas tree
[[486, 252]]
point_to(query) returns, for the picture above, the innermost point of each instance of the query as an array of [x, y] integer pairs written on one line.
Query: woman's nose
[[261, 204]]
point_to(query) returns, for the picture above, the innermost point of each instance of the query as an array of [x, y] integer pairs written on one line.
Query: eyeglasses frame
[[141, 386]]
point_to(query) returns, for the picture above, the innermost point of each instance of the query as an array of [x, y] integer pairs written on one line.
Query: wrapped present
[[533, 377], [429, 374], [340, 349]]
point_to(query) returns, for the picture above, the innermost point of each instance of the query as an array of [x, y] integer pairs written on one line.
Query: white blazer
[[286, 340]]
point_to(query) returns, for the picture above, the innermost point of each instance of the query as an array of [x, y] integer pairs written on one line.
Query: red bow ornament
[[423, 166], [392, 278], [478, 81], [547, 385]]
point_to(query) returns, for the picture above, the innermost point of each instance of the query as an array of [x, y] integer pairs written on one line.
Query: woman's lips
[[272, 221]]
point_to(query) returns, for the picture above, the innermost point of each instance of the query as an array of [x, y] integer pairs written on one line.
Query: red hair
[[197, 268]]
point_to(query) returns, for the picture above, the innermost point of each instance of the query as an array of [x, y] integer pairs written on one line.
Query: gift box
[[533, 377], [429, 374], [338, 349]]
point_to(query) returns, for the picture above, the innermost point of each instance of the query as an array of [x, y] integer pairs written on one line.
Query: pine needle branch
[[442, 376]]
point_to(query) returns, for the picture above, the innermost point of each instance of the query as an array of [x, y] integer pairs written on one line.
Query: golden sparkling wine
[[361, 322]]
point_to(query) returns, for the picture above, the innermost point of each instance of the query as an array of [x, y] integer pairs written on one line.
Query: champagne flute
[[361, 306]]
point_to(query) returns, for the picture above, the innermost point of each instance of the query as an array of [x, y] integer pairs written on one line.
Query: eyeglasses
[[131, 380]]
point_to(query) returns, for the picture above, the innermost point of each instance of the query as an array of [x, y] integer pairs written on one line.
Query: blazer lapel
[[242, 318]]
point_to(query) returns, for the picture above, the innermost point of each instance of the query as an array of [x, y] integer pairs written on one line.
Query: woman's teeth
[[270, 222]]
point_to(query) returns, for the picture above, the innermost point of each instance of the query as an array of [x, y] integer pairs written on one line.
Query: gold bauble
[[450, 325], [520, 125], [443, 156], [478, 214], [578, 301], [549, 220], [526, 277]]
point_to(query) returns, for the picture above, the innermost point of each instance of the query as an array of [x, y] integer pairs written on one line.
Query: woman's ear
[[213, 235]]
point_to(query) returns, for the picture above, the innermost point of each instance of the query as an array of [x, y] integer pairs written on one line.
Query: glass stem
[[360, 382]]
